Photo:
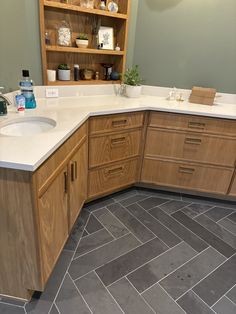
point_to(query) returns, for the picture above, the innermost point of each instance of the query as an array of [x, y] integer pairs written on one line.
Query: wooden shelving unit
[[82, 20]]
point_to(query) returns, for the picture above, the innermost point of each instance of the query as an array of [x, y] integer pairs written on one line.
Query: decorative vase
[[133, 91], [64, 75]]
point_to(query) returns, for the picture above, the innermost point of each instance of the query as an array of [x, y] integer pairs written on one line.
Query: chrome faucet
[[4, 97]]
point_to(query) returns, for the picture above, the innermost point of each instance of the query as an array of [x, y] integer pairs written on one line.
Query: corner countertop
[[29, 152]]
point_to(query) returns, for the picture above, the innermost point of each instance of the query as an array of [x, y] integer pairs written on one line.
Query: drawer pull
[[76, 170], [186, 170], [118, 141], [119, 123], [196, 125], [194, 141], [115, 171], [65, 182], [72, 170]]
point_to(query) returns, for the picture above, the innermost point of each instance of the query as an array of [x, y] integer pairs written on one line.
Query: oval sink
[[27, 126]]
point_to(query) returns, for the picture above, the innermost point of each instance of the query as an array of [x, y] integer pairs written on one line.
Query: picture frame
[[106, 37]]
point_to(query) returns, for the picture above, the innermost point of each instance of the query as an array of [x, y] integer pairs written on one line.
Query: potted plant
[[132, 81], [64, 72], [82, 41]]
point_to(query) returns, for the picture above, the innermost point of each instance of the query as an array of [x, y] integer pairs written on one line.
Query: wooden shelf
[[85, 50], [77, 8], [83, 82]]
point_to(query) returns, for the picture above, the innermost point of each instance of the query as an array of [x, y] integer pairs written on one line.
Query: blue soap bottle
[[27, 90]]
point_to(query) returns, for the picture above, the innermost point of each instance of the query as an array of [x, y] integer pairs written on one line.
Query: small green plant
[[132, 77], [63, 66], [82, 36]]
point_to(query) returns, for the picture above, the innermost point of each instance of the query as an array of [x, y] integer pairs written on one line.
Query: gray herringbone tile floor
[[142, 251]]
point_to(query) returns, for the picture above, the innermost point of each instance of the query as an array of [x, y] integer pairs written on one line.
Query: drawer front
[[57, 159], [186, 175], [114, 147], [116, 122], [193, 123], [111, 178], [191, 146]]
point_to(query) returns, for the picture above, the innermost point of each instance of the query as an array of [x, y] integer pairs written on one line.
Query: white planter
[[133, 91], [82, 43], [63, 75]]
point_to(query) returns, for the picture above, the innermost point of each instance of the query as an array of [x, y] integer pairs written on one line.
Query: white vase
[[133, 91], [64, 75], [82, 43]]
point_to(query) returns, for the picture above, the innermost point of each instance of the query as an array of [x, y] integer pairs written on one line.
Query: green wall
[[176, 42], [187, 42]]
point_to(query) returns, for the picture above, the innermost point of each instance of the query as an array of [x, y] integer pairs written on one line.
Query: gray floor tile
[[77, 231], [232, 217], [133, 224], [184, 278], [12, 301], [229, 225], [173, 205], [160, 267], [192, 304], [164, 234], [93, 241], [204, 234], [208, 201], [11, 309], [195, 242], [217, 283], [128, 262], [93, 225], [128, 298], [54, 310], [218, 213], [43, 304], [160, 193], [222, 233], [96, 296], [85, 233], [151, 202], [161, 302], [232, 294], [196, 209], [132, 199], [124, 194], [103, 202], [225, 306], [84, 264], [116, 228], [69, 300]]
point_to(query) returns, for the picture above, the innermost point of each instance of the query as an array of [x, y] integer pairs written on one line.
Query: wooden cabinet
[[115, 149], [232, 191], [196, 153], [87, 21]]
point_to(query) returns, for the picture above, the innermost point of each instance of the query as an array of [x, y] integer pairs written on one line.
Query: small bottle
[[27, 90], [97, 76], [102, 5], [20, 103], [47, 39], [76, 72]]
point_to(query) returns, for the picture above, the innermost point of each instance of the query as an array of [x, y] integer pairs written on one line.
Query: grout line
[[143, 199], [105, 227], [57, 307], [113, 240], [230, 300], [80, 293], [151, 260], [140, 295], [175, 210], [10, 304], [203, 213], [227, 229], [167, 201], [224, 295], [203, 301], [203, 278], [224, 216], [108, 292]]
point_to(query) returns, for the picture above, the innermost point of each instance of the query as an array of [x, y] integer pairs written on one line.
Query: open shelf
[[83, 82], [85, 50], [71, 7]]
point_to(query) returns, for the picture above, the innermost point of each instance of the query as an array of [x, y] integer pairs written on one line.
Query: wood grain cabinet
[[115, 149], [190, 152]]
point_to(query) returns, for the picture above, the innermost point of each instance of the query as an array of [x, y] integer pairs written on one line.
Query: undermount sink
[[27, 126]]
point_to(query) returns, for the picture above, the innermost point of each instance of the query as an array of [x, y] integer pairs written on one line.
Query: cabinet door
[[53, 221], [78, 169], [233, 187]]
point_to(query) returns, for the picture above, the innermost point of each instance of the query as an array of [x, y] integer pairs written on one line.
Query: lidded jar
[[64, 34]]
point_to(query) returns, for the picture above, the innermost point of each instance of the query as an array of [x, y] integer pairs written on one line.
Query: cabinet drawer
[[114, 147], [191, 146], [116, 122], [109, 178], [187, 175], [193, 123], [50, 166]]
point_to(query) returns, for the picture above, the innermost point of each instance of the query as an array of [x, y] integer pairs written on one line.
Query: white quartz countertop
[[29, 152]]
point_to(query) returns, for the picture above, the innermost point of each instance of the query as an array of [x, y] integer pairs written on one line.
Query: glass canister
[[64, 34], [88, 4]]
